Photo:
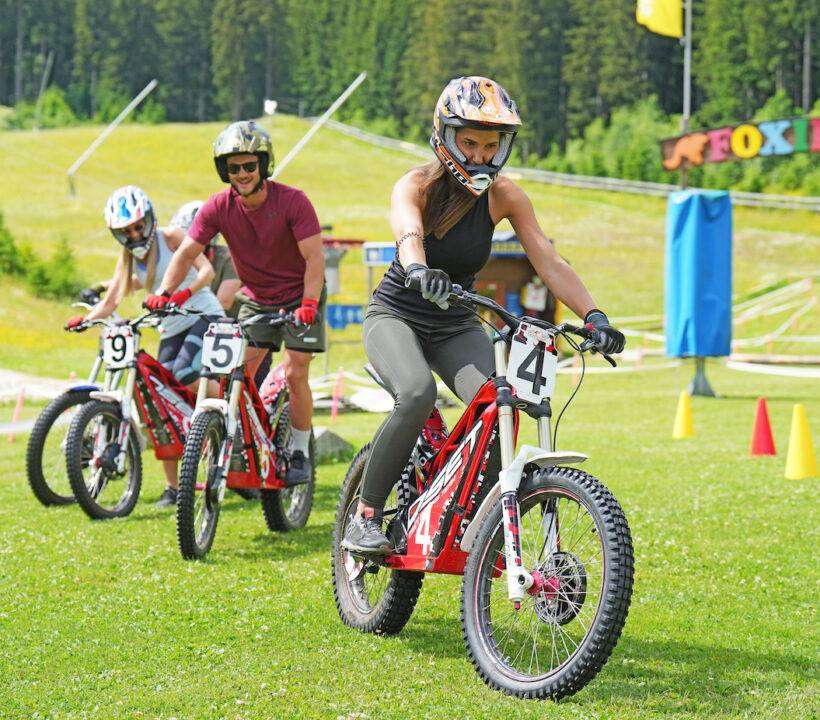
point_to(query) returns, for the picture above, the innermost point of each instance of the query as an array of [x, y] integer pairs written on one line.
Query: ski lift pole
[[105, 133], [316, 125]]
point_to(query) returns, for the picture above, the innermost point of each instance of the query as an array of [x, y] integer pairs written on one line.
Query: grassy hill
[[615, 241]]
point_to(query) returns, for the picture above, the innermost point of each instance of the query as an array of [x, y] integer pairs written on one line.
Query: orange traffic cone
[[762, 440], [18, 409]]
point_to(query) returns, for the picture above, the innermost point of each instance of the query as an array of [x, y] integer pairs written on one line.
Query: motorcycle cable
[[574, 345]]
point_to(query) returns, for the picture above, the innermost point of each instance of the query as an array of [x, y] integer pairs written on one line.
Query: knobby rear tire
[[44, 487], [395, 605], [289, 509]]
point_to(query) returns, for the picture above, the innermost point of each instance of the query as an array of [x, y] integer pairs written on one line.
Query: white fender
[[218, 404], [511, 477], [112, 396]]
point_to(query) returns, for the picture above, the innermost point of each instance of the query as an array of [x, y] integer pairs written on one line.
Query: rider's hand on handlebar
[[435, 285], [180, 297], [608, 340], [157, 302], [305, 314], [74, 323]]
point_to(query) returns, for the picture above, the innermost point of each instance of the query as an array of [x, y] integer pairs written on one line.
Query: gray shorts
[[303, 339]]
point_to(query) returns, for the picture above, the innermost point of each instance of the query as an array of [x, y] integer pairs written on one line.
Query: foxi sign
[[741, 142]]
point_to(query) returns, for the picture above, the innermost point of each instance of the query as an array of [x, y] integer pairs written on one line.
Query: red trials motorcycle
[[545, 550], [103, 444], [237, 440]]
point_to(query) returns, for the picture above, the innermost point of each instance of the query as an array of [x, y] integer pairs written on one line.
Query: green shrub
[[150, 112], [10, 263], [54, 112], [54, 278]]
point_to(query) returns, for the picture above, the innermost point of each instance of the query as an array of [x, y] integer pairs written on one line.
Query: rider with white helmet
[[225, 284], [146, 253]]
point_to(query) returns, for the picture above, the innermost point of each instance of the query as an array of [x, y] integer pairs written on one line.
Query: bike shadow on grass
[[672, 676], [668, 676]]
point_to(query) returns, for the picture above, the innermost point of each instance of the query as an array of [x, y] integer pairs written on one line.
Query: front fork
[[519, 580]]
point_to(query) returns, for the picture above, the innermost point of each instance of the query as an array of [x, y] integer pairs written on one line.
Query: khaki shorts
[[304, 339]]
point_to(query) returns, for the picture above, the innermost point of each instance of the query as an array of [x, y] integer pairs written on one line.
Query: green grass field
[[104, 620]]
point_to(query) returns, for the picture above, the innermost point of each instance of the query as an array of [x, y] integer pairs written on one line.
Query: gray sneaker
[[168, 498], [300, 469], [364, 535]]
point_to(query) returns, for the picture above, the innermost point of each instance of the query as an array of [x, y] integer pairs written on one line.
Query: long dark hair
[[445, 200]]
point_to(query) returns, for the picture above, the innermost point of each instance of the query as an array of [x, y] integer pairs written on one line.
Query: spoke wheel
[[576, 543], [290, 508], [45, 453], [92, 449], [198, 500], [369, 596]]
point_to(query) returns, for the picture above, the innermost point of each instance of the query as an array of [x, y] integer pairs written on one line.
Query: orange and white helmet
[[474, 102]]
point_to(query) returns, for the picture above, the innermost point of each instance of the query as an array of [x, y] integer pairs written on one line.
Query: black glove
[[434, 285], [608, 340], [91, 295]]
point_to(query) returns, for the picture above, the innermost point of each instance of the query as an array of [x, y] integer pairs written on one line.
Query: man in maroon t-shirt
[[275, 241]]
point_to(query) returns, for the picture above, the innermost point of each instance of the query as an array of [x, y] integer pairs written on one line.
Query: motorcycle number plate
[[222, 348], [118, 347], [533, 363]]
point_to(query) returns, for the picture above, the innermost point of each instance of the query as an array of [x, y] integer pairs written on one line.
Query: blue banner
[[698, 274]]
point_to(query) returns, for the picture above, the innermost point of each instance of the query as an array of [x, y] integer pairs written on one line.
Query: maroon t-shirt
[[263, 241]]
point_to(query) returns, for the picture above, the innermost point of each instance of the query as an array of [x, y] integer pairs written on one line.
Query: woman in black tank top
[[443, 215]]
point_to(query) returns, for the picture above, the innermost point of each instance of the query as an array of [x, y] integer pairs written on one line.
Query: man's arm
[[311, 249]]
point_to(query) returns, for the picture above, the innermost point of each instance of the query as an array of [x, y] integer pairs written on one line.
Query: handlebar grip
[[413, 283]]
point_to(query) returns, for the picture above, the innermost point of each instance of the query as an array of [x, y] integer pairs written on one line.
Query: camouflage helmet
[[245, 137]]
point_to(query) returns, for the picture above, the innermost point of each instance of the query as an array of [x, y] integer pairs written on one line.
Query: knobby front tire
[[562, 636], [197, 504], [91, 451], [369, 597], [45, 453]]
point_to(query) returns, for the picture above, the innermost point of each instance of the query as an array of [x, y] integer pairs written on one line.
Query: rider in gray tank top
[[203, 300]]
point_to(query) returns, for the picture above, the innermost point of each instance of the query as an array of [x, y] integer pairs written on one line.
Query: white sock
[[300, 440]]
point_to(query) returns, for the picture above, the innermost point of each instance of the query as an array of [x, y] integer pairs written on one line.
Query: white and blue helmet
[[128, 205]]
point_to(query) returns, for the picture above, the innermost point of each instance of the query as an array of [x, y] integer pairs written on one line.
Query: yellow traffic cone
[[800, 462], [683, 418]]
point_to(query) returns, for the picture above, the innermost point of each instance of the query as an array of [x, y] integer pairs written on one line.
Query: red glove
[[74, 322], [157, 302], [180, 297], [305, 314]]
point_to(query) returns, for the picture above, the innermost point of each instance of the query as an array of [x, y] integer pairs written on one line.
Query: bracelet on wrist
[[405, 236]]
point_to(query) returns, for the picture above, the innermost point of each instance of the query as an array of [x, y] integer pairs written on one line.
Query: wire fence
[[589, 182]]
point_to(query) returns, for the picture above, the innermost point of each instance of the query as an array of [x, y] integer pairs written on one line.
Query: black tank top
[[461, 253]]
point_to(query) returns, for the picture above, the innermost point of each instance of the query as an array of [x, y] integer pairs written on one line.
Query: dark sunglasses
[[248, 167]]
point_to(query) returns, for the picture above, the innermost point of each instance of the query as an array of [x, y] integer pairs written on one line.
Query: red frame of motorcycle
[[447, 502], [252, 479], [146, 367]]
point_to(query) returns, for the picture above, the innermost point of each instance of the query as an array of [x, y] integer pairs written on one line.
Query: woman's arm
[[204, 273], [557, 275], [109, 303], [405, 220]]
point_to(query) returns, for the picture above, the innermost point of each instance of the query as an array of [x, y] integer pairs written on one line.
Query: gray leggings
[[403, 353]]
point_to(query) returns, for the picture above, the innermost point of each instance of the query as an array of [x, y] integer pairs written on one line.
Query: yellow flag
[[664, 17]]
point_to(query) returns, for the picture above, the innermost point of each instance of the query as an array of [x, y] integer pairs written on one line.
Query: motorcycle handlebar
[[459, 295]]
